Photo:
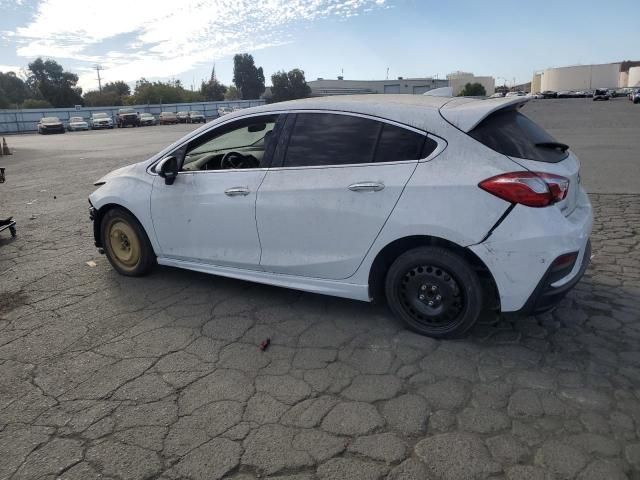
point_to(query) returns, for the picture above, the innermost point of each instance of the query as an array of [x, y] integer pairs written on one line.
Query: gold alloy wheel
[[124, 244]]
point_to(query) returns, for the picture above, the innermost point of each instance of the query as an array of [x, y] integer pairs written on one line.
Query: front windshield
[[100, 115], [126, 110], [50, 119], [195, 113], [76, 119]]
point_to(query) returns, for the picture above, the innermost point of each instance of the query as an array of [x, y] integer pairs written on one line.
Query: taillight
[[533, 189]]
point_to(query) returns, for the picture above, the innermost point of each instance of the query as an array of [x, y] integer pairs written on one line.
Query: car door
[[336, 180], [208, 214]]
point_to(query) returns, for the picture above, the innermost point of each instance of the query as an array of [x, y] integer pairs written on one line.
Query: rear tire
[[434, 291], [126, 244]]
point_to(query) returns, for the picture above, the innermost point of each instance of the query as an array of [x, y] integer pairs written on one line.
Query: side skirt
[[323, 286]]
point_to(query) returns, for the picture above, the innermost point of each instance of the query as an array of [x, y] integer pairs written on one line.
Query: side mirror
[[168, 169]]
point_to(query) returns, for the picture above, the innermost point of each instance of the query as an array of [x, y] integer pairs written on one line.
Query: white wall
[[536, 83], [581, 77]]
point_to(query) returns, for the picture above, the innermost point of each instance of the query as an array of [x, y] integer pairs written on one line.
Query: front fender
[[130, 190]]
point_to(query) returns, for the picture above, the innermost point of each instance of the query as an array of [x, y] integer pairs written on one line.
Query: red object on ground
[[265, 344]]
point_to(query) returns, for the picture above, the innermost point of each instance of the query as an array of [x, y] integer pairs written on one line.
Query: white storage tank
[[581, 77], [634, 77]]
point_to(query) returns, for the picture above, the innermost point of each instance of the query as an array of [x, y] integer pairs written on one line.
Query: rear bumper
[[521, 250], [546, 296]]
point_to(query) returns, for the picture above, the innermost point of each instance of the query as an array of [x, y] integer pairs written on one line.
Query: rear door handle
[[366, 187], [235, 191]]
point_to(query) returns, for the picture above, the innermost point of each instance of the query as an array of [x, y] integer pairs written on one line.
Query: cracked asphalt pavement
[[161, 377]]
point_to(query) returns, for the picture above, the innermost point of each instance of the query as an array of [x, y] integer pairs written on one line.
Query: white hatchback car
[[445, 206]]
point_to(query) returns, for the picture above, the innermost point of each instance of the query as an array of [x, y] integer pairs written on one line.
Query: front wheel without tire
[[126, 244], [434, 291]]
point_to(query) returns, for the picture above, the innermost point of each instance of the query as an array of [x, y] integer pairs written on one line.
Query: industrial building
[[457, 81], [416, 86], [587, 77]]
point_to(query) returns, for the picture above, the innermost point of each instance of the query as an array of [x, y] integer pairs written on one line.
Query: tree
[[13, 90], [232, 93], [48, 80], [104, 99], [4, 101], [473, 90], [36, 103], [119, 87], [213, 90], [289, 85], [248, 78], [162, 92]]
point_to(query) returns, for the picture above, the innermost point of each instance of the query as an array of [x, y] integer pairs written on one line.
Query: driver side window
[[241, 144]]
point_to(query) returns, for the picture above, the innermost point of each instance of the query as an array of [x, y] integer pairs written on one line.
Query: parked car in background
[[77, 123], [634, 96], [167, 118], [127, 117], [549, 94], [183, 117], [497, 95], [601, 94], [100, 120], [566, 94], [507, 228], [147, 119], [536, 95], [196, 117], [50, 125], [518, 93], [224, 110]]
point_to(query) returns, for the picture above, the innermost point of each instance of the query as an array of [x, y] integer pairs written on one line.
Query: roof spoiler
[[440, 92], [467, 113]]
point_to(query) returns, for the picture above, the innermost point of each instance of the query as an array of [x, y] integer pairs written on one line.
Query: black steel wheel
[[434, 291]]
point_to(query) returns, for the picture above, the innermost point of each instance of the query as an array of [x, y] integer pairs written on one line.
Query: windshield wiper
[[560, 146]]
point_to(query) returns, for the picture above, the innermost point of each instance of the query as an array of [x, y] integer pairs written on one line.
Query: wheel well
[[388, 254], [97, 221]]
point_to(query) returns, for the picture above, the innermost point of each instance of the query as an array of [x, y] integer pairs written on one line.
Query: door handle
[[235, 191], [366, 187]]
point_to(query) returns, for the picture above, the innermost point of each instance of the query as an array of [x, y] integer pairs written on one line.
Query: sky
[[361, 39]]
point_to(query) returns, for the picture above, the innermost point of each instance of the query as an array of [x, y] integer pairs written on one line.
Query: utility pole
[[387, 73], [98, 68]]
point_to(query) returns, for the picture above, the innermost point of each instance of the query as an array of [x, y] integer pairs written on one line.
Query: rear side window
[[512, 133], [328, 139], [321, 139]]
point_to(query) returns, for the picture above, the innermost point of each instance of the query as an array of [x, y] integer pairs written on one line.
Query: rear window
[[512, 133]]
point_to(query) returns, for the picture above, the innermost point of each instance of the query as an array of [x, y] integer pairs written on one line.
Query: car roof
[[420, 111]]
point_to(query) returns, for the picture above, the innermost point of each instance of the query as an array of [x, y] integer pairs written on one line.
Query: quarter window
[[398, 144]]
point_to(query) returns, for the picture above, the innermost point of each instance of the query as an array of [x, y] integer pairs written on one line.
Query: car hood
[[116, 173]]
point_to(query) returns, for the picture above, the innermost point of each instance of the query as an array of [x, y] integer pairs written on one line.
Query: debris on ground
[[91, 263], [265, 344]]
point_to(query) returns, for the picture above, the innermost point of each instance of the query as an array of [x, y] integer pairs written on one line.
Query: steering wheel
[[235, 160]]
